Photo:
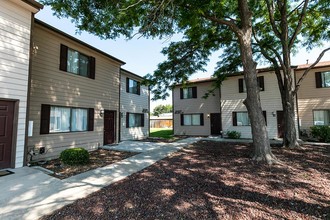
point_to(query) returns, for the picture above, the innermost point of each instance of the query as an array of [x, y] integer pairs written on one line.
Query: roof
[[164, 116], [34, 4], [77, 40], [320, 64], [130, 73], [199, 80]]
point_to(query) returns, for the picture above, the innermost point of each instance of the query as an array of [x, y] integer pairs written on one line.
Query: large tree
[[160, 109], [206, 25], [281, 27]]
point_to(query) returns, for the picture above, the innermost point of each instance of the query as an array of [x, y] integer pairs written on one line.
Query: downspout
[[28, 93]]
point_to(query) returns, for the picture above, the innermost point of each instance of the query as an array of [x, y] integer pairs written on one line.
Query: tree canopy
[[161, 109]]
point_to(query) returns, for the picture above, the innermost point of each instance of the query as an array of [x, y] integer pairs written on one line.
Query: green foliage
[[75, 156], [233, 134], [160, 109], [321, 132]]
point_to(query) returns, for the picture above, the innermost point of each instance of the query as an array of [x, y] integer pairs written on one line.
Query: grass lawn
[[161, 132]]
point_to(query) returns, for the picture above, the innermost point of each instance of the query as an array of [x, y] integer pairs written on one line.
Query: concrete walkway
[[30, 193]]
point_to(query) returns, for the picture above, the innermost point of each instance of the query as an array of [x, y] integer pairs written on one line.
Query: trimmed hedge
[[233, 134], [75, 156], [321, 132]]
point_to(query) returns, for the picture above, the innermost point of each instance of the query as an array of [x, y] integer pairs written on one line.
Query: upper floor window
[[188, 93], [132, 86], [77, 63], [134, 120], [192, 119], [321, 117], [242, 85], [242, 118], [322, 79], [56, 119]]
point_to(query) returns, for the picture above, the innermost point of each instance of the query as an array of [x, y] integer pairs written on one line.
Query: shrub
[[321, 132], [75, 156], [233, 134]]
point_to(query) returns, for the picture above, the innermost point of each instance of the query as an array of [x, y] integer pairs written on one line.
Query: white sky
[[143, 55]]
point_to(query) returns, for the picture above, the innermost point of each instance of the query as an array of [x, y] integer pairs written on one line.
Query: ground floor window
[[321, 117], [56, 119], [134, 120], [242, 118], [192, 119]]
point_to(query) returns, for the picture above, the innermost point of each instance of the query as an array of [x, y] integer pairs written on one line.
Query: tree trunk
[[262, 150], [288, 105]]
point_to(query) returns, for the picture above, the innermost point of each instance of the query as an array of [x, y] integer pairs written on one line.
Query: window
[[134, 120], [77, 63], [322, 79], [55, 119], [321, 117], [242, 86], [188, 93], [192, 119], [132, 86], [242, 118]]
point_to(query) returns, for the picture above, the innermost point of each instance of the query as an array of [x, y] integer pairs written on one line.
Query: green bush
[[75, 156], [321, 132], [233, 134]]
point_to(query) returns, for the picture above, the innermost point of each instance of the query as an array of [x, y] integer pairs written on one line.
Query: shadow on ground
[[212, 180]]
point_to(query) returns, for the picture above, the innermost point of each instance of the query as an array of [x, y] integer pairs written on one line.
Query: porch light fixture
[[274, 114], [101, 112], [208, 115]]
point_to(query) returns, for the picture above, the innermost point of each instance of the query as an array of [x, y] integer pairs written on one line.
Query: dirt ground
[[210, 180], [98, 158]]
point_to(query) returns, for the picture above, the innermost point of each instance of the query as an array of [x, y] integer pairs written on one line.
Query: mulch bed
[[211, 180], [98, 158]]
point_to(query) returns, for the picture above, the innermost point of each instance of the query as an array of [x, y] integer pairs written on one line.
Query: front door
[[280, 124], [109, 127], [6, 133], [215, 123]]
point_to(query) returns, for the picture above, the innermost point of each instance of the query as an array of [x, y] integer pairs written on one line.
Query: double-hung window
[[77, 63], [134, 120], [242, 85], [188, 93], [321, 117], [132, 86], [57, 119], [322, 79], [242, 118], [192, 119]]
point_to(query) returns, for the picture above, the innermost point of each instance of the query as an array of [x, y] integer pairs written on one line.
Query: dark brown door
[[215, 123], [280, 123], [109, 127], [6, 133]]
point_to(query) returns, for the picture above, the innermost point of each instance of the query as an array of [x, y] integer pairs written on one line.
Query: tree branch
[[272, 19], [229, 24], [308, 69], [299, 25]]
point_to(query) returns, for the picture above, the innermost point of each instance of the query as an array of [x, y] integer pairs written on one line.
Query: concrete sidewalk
[[30, 193]]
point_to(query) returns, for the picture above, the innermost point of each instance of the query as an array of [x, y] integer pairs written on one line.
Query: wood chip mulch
[[210, 180], [98, 158]]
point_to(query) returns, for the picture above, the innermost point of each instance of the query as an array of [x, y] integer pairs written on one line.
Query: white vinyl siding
[[15, 24], [132, 103], [54, 87]]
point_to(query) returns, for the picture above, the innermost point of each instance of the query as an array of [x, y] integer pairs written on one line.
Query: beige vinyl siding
[[15, 28], [133, 103], [311, 98], [49, 85], [195, 106], [232, 101]]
